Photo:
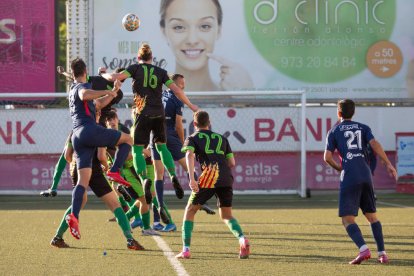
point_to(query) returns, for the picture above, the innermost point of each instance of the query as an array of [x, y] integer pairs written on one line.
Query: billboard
[[44, 131], [331, 49], [27, 46]]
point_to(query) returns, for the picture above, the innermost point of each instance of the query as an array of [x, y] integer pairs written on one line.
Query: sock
[[132, 212], [156, 214], [377, 233], [122, 202], [63, 224], [355, 234], [123, 222], [146, 220], [168, 213], [166, 158], [159, 188], [59, 168], [235, 228], [187, 229], [139, 161], [151, 175], [120, 157], [77, 197]]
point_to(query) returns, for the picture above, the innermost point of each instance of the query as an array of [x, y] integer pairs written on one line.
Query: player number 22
[[351, 143], [213, 136]]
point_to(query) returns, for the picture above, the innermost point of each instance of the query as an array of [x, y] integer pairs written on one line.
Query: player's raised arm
[[116, 76], [377, 148], [104, 101], [182, 97]]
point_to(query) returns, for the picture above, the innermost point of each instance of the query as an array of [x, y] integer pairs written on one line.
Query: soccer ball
[[130, 22]]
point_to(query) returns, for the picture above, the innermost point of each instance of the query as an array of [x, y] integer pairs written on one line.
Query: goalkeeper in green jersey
[[136, 190]]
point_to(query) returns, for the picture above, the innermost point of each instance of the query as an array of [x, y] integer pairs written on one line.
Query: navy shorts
[[174, 145], [87, 138], [98, 182], [354, 195], [224, 196]]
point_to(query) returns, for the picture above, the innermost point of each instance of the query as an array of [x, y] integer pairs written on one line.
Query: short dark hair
[[111, 115], [201, 119], [78, 67], [346, 108], [176, 77]]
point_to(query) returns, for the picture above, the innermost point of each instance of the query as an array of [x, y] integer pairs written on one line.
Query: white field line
[[394, 205], [176, 264]]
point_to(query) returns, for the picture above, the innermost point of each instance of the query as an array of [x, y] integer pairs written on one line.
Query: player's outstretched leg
[[355, 234], [235, 228], [59, 168], [186, 232], [376, 228], [57, 240]]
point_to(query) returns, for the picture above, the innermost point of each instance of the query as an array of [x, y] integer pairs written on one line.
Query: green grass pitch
[[288, 235]]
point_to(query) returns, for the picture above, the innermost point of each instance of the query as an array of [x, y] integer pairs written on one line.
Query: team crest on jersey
[[140, 103], [209, 176]]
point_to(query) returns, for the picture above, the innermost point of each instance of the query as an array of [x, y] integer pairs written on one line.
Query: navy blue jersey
[[82, 112], [351, 140], [172, 107], [147, 82]]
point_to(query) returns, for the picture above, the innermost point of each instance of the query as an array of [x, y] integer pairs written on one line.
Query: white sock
[[241, 239], [156, 222], [363, 248], [380, 253], [186, 248]]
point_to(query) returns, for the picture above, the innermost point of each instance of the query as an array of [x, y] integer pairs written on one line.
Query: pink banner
[[254, 171], [27, 46]]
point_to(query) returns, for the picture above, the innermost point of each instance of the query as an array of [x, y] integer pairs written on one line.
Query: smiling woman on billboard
[[191, 29]]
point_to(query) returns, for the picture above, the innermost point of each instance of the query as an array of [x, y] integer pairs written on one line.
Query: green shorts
[[131, 176]]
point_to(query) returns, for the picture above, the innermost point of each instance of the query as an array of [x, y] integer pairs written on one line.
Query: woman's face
[[191, 29]]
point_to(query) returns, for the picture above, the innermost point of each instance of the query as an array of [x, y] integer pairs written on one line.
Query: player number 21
[[351, 143]]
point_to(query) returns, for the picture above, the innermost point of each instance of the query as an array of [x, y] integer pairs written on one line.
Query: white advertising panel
[[250, 129], [331, 49]]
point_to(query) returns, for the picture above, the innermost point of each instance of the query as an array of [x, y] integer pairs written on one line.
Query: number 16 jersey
[[351, 140], [212, 151]]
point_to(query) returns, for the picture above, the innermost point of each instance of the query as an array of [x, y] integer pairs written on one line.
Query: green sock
[[63, 224], [168, 213], [155, 201], [151, 175], [187, 228], [166, 158], [123, 222], [146, 220], [122, 201], [132, 212], [139, 161], [59, 168], [235, 228]]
